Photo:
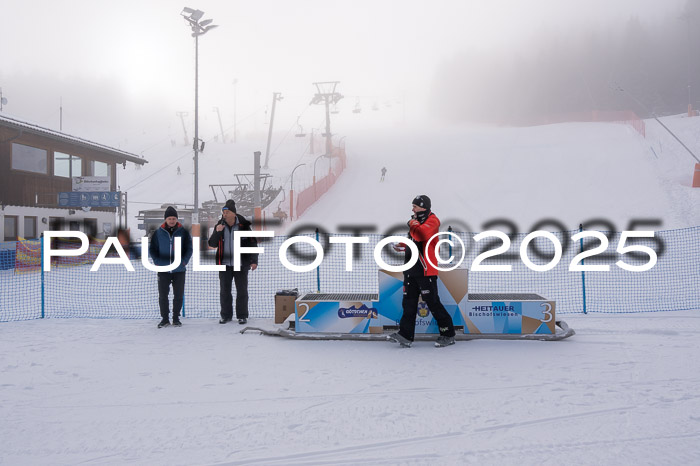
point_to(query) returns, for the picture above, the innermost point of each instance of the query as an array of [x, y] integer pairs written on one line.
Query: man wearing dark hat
[[222, 239], [162, 251], [421, 279]]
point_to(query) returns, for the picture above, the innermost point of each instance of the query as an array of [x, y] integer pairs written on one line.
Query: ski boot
[[400, 339], [443, 341]]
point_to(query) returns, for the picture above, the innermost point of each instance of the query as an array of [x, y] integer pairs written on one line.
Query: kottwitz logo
[[362, 311], [423, 309]]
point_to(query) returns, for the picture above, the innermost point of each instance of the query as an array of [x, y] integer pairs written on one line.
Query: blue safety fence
[[70, 289]]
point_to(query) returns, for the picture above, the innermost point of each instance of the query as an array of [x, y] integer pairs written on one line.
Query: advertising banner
[[336, 317], [338, 313], [89, 199], [513, 313], [452, 289], [90, 183]]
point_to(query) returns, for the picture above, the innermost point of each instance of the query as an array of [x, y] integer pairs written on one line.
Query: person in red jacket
[[421, 279]]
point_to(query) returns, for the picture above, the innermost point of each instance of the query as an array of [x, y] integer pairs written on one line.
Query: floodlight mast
[[199, 28]]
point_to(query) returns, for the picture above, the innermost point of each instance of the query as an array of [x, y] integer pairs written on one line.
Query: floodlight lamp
[[205, 22], [187, 11], [197, 15]]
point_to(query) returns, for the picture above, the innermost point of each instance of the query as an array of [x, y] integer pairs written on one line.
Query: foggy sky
[[130, 61]]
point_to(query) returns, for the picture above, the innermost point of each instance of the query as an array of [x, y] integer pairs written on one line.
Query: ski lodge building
[[48, 180]]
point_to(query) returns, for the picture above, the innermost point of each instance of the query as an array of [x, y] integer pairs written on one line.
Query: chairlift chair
[[301, 133], [357, 108], [280, 213]]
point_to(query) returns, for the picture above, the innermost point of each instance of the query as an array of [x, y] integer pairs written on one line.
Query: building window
[[28, 159], [76, 166], [10, 228], [90, 227], [66, 165], [56, 223], [100, 168], [61, 164], [30, 228]]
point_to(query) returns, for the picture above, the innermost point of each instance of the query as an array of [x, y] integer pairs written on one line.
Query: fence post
[[318, 271], [43, 299], [583, 274], [449, 228]]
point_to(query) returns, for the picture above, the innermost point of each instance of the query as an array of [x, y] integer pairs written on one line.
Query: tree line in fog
[[643, 66]]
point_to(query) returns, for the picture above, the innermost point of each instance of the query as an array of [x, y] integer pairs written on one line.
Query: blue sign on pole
[[89, 199]]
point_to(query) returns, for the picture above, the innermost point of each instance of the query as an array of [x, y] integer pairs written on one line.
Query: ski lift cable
[[188, 151], [295, 124], [158, 171], [168, 137], [653, 114], [303, 152], [155, 144], [152, 145], [248, 116], [184, 155]]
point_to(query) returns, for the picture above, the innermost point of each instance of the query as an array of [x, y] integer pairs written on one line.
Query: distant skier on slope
[[381, 180]]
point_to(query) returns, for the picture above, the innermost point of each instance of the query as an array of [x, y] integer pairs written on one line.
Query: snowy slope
[[674, 165], [570, 172], [621, 391], [158, 183]]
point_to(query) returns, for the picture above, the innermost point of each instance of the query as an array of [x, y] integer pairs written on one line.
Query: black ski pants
[[426, 287], [240, 279], [164, 281]]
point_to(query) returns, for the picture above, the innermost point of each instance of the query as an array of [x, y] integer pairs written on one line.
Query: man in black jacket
[[162, 250], [222, 239]]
